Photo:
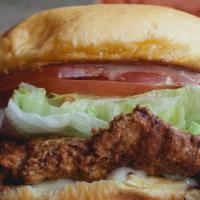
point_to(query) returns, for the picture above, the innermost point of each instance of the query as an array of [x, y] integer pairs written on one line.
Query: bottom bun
[[134, 188]]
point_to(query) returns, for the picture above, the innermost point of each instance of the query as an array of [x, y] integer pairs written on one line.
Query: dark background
[[13, 11]]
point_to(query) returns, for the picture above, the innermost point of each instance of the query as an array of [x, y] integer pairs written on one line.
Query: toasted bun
[[102, 32], [134, 189]]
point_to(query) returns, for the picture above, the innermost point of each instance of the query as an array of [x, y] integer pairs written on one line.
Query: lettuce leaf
[[32, 111]]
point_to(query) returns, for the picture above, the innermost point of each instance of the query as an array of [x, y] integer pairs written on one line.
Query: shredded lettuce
[[32, 111]]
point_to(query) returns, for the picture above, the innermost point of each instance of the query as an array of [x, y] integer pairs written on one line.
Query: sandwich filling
[[100, 79], [139, 140], [76, 137], [33, 112]]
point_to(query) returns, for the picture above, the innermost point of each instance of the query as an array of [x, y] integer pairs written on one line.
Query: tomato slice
[[88, 87], [101, 79], [135, 72], [97, 87]]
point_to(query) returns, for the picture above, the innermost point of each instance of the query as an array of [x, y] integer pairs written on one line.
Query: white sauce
[[120, 174]]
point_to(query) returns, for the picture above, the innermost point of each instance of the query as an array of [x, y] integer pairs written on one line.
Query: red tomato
[[100, 79]]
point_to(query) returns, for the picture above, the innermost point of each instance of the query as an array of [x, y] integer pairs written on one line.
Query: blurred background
[[12, 11]]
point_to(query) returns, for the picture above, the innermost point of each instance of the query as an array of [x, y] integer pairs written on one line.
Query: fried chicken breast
[[139, 139]]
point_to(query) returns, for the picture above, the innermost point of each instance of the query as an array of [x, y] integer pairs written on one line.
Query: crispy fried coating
[[138, 139], [163, 149], [111, 148], [12, 156], [53, 158]]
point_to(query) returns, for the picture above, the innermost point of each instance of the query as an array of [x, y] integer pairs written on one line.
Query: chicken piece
[[163, 149], [139, 140], [143, 141], [53, 158], [12, 156], [83, 159], [111, 148]]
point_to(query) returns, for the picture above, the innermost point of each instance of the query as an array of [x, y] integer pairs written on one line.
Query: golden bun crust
[[102, 32], [148, 189]]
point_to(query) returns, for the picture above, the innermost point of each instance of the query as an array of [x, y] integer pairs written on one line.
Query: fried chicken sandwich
[[101, 102]]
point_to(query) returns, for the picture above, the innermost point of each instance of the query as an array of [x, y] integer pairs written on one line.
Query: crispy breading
[[113, 147], [138, 139], [12, 156], [163, 149], [53, 158]]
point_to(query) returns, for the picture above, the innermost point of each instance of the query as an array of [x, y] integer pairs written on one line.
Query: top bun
[[102, 32]]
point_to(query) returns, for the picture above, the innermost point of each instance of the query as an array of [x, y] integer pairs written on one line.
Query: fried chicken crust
[[53, 158], [139, 139]]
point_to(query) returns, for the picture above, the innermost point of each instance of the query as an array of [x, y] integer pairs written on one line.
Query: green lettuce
[[31, 110]]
